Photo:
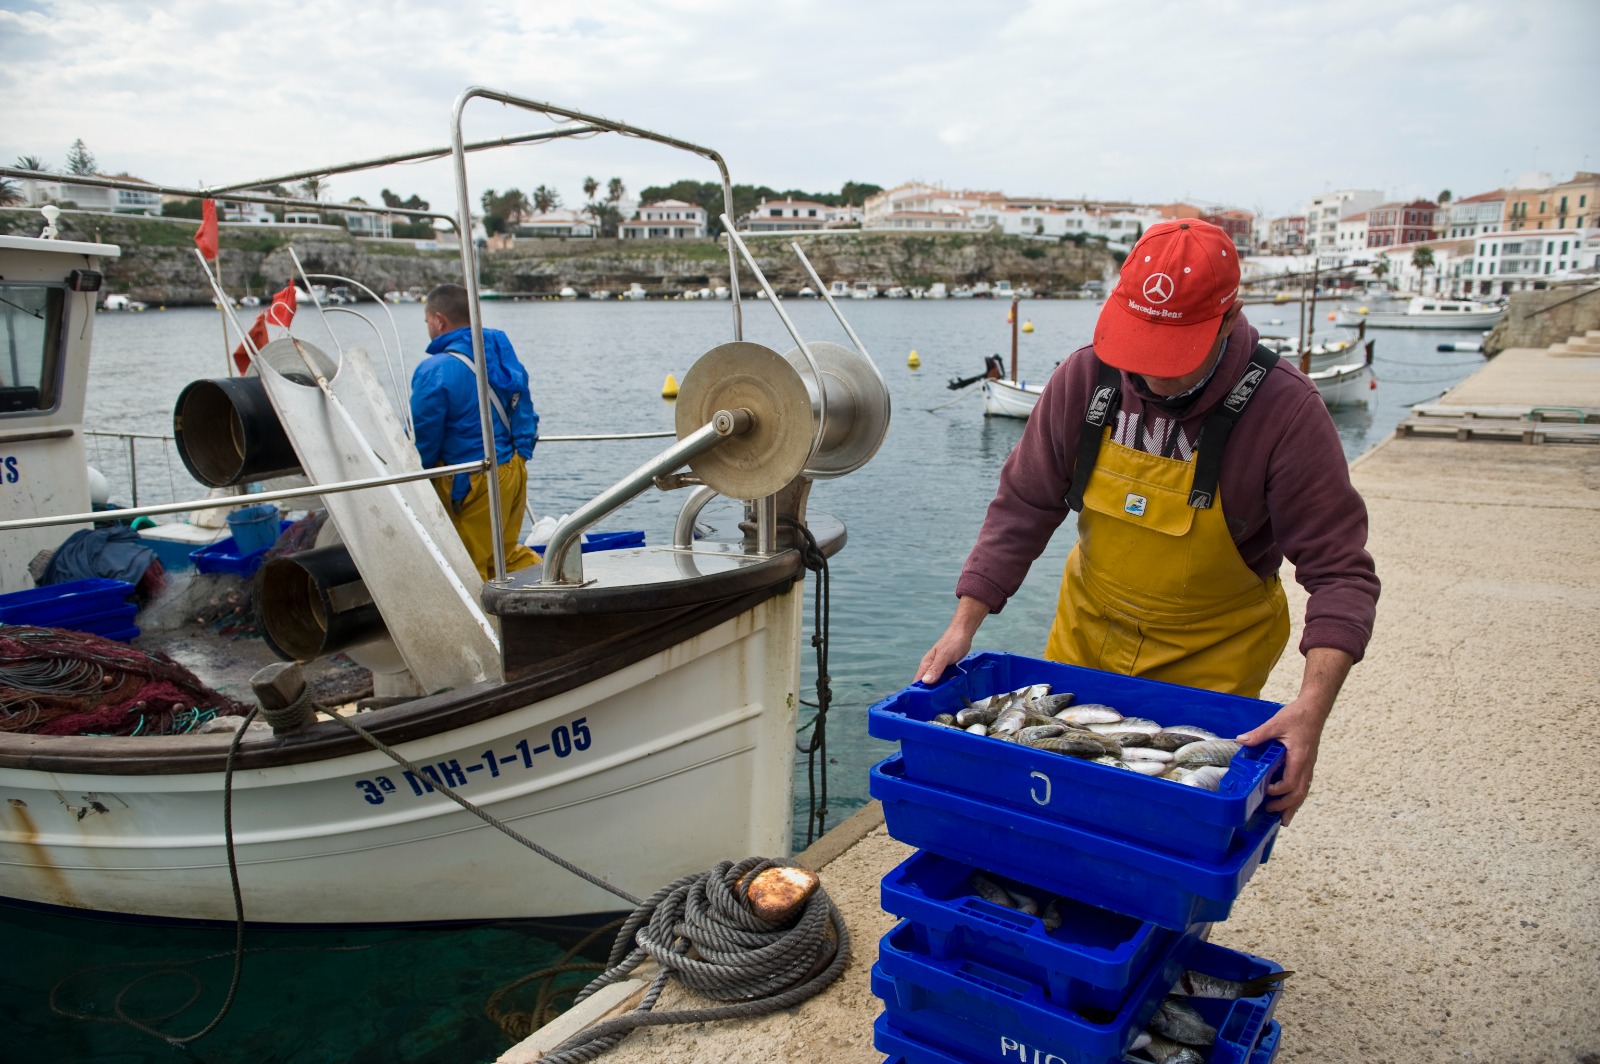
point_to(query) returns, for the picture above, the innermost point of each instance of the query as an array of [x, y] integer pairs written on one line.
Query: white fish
[[1089, 713], [1145, 753], [1146, 768], [978, 729], [1207, 777], [1206, 752], [1194, 730], [1126, 724]]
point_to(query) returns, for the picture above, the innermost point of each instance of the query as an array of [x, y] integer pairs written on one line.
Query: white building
[[1325, 211], [560, 222], [790, 213], [1476, 215], [1350, 243], [59, 189], [1509, 262], [1452, 263], [665, 220], [917, 205], [369, 224]]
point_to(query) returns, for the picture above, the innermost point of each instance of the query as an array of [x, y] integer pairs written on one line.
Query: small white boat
[[1426, 313], [961, 291], [1002, 290], [839, 289], [1024, 292], [600, 293], [635, 291], [937, 290], [919, 292], [1010, 398], [863, 290], [719, 292], [896, 292], [807, 292], [568, 292], [122, 303], [1344, 384]]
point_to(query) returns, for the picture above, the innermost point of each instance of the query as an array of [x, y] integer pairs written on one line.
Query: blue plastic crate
[[223, 556], [901, 1048], [1091, 961], [124, 635], [57, 605], [1162, 813], [980, 1014], [104, 623], [1267, 1047], [593, 541], [1104, 870]]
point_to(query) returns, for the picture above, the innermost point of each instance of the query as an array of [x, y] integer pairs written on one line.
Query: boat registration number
[[565, 740]]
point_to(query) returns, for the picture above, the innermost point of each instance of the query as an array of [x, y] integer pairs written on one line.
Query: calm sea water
[[912, 514]]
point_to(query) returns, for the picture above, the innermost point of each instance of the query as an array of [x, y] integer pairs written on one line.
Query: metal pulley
[[857, 415], [758, 461]]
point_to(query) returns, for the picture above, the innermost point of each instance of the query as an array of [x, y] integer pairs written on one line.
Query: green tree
[[590, 187], [184, 208], [546, 199], [10, 192], [1422, 259], [31, 162], [313, 188], [413, 203], [504, 211], [80, 160], [615, 190], [1444, 197], [856, 192]]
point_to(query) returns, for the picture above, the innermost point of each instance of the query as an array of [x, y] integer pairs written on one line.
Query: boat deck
[[1436, 892]]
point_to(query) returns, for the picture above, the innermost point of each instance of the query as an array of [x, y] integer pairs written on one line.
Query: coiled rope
[[700, 930]]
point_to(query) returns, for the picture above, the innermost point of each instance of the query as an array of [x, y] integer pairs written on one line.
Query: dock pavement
[[1438, 895]]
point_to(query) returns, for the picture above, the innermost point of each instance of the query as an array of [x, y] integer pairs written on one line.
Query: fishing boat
[[1012, 397], [635, 292], [1426, 313], [633, 711]]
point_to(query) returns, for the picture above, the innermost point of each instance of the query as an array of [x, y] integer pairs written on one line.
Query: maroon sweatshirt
[[1284, 487]]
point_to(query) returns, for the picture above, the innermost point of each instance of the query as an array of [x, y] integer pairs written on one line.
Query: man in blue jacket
[[444, 413]]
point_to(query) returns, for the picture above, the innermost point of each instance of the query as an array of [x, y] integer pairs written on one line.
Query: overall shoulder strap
[[1103, 402], [1219, 425], [494, 400]]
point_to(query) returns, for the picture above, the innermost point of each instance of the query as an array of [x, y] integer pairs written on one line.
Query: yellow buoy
[[913, 361], [1362, 310], [1027, 326], [669, 390]]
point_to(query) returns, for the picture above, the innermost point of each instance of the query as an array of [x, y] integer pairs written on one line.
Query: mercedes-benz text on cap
[[1178, 281]]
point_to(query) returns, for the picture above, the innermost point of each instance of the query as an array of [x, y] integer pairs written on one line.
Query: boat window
[[1429, 306], [30, 348]]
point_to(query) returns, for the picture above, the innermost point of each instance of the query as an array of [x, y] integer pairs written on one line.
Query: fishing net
[[56, 682]]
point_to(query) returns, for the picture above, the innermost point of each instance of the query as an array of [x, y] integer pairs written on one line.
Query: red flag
[[206, 238], [281, 312]]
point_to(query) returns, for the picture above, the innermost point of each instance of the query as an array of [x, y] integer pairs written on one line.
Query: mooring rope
[[700, 930], [816, 749]]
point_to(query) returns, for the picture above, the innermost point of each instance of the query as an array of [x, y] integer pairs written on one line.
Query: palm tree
[[590, 187], [1422, 259], [313, 187], [31, 162], [546, 199], [615, 190], [10, 193]]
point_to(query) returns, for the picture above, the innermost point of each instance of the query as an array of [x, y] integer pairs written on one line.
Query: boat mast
[[1014, 378]]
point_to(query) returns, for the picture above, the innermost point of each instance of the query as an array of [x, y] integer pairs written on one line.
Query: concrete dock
[[1439, 893]]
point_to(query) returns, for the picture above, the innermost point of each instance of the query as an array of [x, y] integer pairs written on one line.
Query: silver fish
[[1166, 1051], [1128, 724], [1010, 720], [1206, 777], [944, 719], [1042, 731], [1089, 713], [1073, 745], [1170, 740], [1126, 739], [1201, 985], [1147, 768], [1206, 752], [1051, 915], [1194, 730], [977, 713], [978, 728], [1144, 753], [1114, 762], [1176, 772], [1049, 704], [1176, 1019]]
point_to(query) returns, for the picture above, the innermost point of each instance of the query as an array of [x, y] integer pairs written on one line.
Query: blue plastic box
[[979, 1014], [593, 541], [223, 556], [1161, 813], [65, 605], [903, 1049], [1267, 1047], [1104, 870], [1090, 962]]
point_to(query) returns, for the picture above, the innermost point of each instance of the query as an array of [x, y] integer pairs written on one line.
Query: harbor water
[[912, 515]]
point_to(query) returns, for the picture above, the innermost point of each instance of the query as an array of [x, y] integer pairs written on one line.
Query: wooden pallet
[[1490, 428]]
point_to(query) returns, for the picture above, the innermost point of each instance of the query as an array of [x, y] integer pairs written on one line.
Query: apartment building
[[1570, 204], [1507, 262], [1389, 224], [1476, 215], [665, 220], [1324, 211]]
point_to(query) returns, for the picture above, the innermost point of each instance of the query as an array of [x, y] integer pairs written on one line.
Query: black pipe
[[313, 603], [228, 433]]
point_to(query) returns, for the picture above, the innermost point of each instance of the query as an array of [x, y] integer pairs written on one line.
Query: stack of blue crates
[[1141, 868], [95, 605]]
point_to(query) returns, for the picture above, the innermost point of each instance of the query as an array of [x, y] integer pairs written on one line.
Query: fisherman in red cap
[[1196, 461]]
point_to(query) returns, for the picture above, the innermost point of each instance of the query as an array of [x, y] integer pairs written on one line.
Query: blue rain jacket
[[444, 405]]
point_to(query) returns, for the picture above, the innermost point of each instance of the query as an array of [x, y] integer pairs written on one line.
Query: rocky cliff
[[158, 265]]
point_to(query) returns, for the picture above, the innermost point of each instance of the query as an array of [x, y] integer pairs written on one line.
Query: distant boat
[[807, 292], [1010, 398], [635, 291], [863, 290], [720, 292], [896, 292], [568, 292], [961, 291], [1425, 313], [937, 290], [839, 289], [1002, 290], [600, 293]]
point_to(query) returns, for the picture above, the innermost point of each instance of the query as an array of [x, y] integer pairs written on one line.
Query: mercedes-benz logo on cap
[[1158, 288]]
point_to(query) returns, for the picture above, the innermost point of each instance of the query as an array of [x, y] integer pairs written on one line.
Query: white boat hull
[[1464, 320], [671, 764], [1347, 385], [1009, 399]]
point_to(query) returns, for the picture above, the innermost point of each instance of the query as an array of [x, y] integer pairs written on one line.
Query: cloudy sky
[[1257, 104]]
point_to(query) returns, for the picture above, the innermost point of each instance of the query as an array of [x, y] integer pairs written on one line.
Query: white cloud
[[1254, 103]]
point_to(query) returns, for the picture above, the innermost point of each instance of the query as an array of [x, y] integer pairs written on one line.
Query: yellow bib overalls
[[1155, 586]]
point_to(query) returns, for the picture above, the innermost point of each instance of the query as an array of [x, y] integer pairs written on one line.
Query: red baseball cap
[[1178, 280]]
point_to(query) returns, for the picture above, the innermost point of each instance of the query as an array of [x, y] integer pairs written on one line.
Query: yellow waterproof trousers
[[472, 520], [1156, 588]]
